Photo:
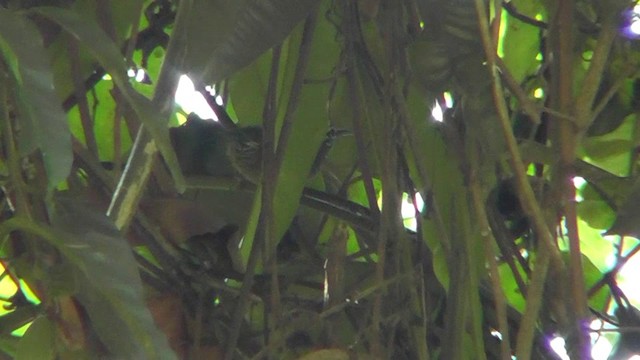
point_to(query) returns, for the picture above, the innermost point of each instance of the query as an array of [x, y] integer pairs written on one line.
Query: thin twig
[[527, 329], [511, 10], [269, 183], [73, 51], [528, 106], [357, 109], [296, 87], [523, 186], [593, 77], [494, 275], [21, 201], [611, 92]]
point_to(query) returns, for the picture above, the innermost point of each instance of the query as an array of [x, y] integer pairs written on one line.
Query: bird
[[244, 150]]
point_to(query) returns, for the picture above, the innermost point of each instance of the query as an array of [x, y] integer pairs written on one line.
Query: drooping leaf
[[43, 123], [109, 282], [260, 25]]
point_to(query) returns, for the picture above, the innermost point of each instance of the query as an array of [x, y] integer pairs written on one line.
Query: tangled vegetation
[[388, 179]]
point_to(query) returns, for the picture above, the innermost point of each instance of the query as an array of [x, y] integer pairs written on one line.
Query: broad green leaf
[[259, 26], [200, 27], [109, 282], [107, 53], [43, 124], [38, 342], [250, 84]]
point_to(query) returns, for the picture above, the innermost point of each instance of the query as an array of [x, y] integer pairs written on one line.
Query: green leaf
[[38, 342], [593, 245], [42, 120], [109, 282], [250, 84], [260, 25]]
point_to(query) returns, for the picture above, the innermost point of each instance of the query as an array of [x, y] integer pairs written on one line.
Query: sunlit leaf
[[521, 42], [103, 125], [18, 318]]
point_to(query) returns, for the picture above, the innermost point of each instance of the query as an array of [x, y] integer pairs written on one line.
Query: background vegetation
[[126, 232]]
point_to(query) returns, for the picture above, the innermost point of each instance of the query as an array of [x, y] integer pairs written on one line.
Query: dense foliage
[[130, 233]]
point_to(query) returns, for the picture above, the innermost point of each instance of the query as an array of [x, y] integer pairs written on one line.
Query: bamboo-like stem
[[526, 332], [494, 275], [525, 193], [528, 106], [591, 83], [21, 200], [548, 253], [80, 93]]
